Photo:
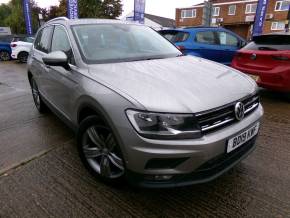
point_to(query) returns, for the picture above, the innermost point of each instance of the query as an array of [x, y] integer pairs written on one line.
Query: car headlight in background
[[163, 125]]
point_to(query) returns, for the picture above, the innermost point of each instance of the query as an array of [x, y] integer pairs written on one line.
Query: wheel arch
[[22, 53], [88, 106]]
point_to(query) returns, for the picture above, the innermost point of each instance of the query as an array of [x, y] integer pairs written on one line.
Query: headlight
[[164, 126]]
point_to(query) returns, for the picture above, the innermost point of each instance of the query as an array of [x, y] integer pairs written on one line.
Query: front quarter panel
[[108, 104]]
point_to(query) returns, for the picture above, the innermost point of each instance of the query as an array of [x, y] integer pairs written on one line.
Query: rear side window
[[227, 39], [43, 39], [175, 36], [206, 37], [29, 39], [270, 43], [6, 39]]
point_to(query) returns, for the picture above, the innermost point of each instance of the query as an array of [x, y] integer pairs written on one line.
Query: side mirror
[[242, 44], [56, 58]]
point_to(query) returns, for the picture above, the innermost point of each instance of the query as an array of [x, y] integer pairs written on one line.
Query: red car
[[267, 60]]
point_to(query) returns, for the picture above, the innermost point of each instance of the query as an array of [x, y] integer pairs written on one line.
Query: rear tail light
[[13, 45], [180, 48], [280, 58]]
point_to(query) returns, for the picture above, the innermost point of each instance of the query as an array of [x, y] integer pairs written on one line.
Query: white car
[[20, 47]]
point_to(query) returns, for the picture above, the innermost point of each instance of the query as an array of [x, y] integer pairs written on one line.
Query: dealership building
[[237, 16]]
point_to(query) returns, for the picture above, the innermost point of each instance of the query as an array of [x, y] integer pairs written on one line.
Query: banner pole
[[27, 17]]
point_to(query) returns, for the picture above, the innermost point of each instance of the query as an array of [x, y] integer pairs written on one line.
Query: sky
[[163, 8]]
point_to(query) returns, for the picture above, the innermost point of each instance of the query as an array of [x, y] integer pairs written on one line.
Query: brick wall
[[197, 21], [238, 19]]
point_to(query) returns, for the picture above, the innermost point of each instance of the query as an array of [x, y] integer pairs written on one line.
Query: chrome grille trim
[[204, 128], [223, 116]]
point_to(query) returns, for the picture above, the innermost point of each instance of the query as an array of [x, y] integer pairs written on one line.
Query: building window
[[251, 8], [278, 25], [188, 13], [232, 10], [282, 6], [216, 11]]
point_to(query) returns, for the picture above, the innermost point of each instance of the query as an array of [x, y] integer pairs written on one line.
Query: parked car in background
[[5, 49], [21, 46], [138, 115], [213, 43], [267, 60]]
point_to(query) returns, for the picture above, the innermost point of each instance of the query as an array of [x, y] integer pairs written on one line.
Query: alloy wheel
[[23, 57], [102, 152], [4, 56], [35, 94]]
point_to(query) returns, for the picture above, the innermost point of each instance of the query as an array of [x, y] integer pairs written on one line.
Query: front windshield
[[107, 43]]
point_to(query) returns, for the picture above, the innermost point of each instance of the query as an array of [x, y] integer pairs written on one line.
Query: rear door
[[206, 45], [228, 45]]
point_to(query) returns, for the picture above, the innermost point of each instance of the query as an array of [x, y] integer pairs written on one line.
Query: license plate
[[242, 138], [254, 77]]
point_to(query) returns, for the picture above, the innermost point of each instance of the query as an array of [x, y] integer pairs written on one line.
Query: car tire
[[39, 104], [22, 57], [99, 151], [4, 56]]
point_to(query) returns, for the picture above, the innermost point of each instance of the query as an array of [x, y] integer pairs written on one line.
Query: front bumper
[[205, 173], [195, 161], [14, 54]]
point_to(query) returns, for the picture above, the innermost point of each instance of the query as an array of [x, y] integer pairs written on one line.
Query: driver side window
[[60, 42]]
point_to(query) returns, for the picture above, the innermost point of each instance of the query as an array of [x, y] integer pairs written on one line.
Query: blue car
[[213, 43], [5, 49]]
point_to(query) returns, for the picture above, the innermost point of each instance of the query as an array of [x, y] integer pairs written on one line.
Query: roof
[[86, 21], [163, 21]]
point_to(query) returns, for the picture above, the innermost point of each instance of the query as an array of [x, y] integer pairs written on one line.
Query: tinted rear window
[[175, 36], [7, 39], [269, 43]]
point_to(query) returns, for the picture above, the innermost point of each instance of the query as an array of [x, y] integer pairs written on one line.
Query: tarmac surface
[[42, 176]]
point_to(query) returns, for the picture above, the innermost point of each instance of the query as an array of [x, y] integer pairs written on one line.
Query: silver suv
[[140, 109]]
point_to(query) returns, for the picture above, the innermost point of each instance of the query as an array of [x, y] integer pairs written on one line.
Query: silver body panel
[[175, 85]]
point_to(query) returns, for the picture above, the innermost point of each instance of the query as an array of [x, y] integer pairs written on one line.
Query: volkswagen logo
[[253, 56], [239, 111]]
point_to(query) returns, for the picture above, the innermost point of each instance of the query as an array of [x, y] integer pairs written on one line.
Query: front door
[[62, 82]]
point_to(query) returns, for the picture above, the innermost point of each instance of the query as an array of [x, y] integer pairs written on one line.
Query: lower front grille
[[221, 162], [217, 118]]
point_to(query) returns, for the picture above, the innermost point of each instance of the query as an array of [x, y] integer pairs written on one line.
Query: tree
[[11, 15], [112, 8], [15, 20], [90, 9], [5, 11]]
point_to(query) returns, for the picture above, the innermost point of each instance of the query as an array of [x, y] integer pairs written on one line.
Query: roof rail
[[58, 18], [190, 27]]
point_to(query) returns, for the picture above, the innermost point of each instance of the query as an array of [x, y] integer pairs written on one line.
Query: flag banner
[[27, 17], [139, 11], [260, 17], [72, 9]]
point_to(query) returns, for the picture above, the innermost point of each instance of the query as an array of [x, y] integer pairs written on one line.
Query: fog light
[[158, 177], [162, 177]]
